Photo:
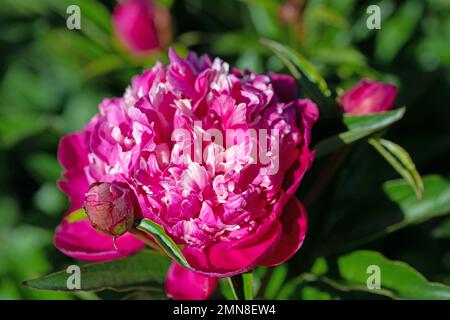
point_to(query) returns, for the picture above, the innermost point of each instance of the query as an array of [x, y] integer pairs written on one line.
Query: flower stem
[[233, 290], [248, 285], [242, 286]]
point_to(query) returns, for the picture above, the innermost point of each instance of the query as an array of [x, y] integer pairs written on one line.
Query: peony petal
[[184, 284], [72, 153], [80, 241], [134, 24], [285, 86], [226, 259], [294, 222], [75, 188], [309, 116]]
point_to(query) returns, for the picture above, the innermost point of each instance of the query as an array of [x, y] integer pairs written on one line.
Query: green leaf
[[146, 295], [397, 30], [359, 127], [398, 279], [233, 285], [96, 20], [166, 3], [225, 289], [50, 199], [104, 65], [78, 110], [43, 166], [146, 269], [75, 216], [320, 266], [374, 121], [313, 293], [302, 287], [14, 128], [305, 72], [330, 16], [443, 230], [236, 43], [435, 201], [264, 20], [247, 278], [401, 161], [9, 207], [163, 240], [395, 208], [276, 280]]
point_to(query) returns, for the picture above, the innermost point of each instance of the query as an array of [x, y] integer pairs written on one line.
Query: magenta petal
[[225, 260], [75, 188], [71, 152], [80, 241], [284, 86], [295, 222], [294, 177], [73, 157], [134, 24], [184, 284]]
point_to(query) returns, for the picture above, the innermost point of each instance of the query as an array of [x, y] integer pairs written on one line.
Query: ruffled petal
[[309, 116], [284, 86], [80, 241], [229, 258], [184, 284], [294, 226], [72, 155]]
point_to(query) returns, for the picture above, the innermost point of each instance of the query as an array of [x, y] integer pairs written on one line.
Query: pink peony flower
[[229, 207], [142, 25], [367, 97]]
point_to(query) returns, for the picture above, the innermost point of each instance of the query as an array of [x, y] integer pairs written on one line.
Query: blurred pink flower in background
[[290, 12], [142, 25], [230, 215], [368, 96]]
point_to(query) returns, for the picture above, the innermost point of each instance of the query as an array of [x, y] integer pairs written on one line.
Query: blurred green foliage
[[52, 79]]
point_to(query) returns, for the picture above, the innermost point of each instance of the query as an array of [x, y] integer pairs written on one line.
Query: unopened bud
[[142, 25], [110, 208], [368, 96]]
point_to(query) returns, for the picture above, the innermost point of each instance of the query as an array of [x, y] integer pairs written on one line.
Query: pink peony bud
[[110, 208], [367, 97], [142, 25]]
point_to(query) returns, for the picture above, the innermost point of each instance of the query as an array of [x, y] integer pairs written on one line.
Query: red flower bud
[[368, 96], [142, 25], [110, 208]]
